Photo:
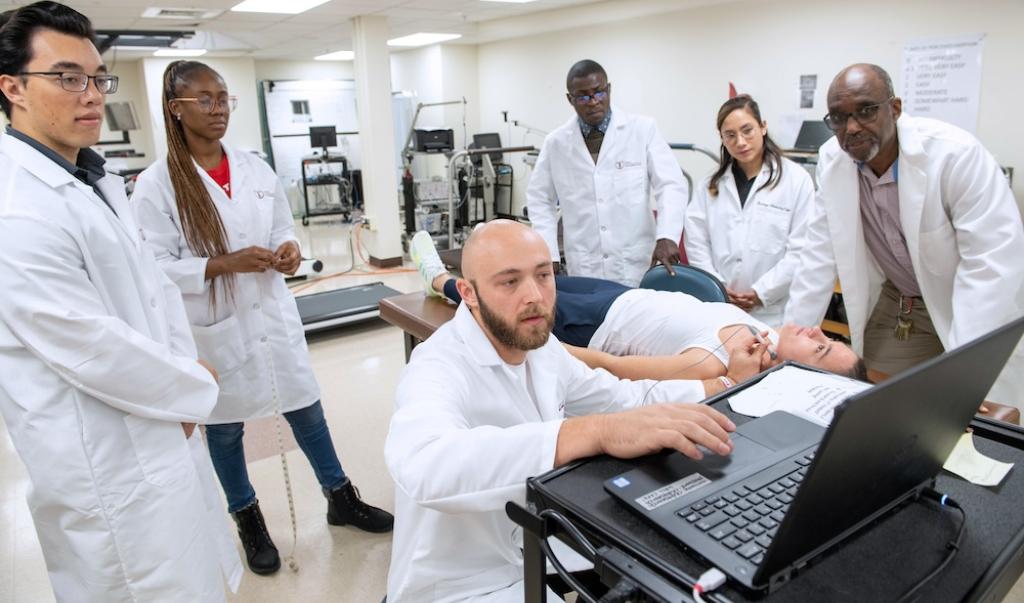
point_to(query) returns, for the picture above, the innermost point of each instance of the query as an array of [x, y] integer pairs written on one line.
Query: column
[[377, 140]]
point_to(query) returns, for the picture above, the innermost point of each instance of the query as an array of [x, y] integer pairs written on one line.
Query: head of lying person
[[810, 346], [509, 286]]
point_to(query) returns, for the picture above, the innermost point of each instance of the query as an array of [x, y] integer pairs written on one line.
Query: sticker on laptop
[[677, 489], [620, 482]]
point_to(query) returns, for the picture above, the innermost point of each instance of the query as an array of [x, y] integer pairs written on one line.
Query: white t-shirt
[[645, 322]]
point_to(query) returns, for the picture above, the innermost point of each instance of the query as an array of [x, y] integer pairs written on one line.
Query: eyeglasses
[[73, 81], [207, 104], [584, 99], [863, 116], [746, 133]]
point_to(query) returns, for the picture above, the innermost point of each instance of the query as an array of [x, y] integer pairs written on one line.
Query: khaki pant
[[886, 354]]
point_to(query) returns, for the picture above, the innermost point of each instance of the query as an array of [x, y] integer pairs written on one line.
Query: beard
[[509, 334], [872, 150]]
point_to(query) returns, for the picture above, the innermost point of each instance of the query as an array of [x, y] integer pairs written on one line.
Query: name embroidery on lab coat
[[620, 165]]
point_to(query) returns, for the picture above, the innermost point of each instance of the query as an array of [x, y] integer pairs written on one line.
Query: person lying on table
[[648, 334]]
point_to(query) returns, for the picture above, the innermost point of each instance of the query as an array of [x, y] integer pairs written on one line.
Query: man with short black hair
[[601, 168], [918, 222], [100, 388]]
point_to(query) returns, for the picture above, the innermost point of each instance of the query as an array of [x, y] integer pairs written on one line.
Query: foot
[[344, 507], [260, 552], [427, 261]]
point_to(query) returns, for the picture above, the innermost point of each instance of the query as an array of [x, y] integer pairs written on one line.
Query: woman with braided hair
[[221, 228]]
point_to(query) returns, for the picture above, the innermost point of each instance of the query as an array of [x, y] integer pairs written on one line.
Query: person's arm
[[156, 214], [990, 238], [815, 277], [55, 311], [442, 461], [698, 232], [542, 198], [670, 191], [627, 419], [773, 286]]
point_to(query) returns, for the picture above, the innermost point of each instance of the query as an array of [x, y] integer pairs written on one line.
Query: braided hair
[[200, 221]]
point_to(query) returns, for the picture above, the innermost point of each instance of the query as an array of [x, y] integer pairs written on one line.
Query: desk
[[417, 315], [877, 564]]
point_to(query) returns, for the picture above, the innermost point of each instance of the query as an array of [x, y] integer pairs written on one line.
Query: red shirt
[[222, 175]]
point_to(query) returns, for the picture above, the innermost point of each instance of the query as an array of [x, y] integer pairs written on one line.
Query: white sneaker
[[424, 256]]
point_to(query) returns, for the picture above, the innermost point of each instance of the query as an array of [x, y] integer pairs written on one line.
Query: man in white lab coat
[[600, 168], [918, 222], [491, 400], [100, 388]]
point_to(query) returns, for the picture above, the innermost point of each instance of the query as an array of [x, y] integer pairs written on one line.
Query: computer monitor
[[322, 137], [813, 134], [491, 140], [121, 117]]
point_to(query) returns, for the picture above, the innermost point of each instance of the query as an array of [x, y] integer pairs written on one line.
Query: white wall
[[240, 77], [304, 70], [130, 89], [676, 67]]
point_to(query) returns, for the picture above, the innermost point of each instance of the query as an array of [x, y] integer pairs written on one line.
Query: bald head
[[864, 76], [499, 245]]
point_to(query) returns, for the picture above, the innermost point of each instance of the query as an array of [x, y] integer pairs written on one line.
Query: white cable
[[708, 581]]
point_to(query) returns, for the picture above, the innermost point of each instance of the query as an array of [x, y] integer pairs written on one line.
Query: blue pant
[[311, 433]]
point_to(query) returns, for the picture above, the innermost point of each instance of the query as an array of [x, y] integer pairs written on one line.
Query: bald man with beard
[[492, 399]]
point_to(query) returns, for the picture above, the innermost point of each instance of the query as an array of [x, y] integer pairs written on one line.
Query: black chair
[[688, 279]]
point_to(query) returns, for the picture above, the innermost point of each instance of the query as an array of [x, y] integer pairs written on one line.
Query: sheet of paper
[[804, 393], [973, 466]]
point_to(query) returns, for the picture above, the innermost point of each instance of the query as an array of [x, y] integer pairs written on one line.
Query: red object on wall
[[732, 90]]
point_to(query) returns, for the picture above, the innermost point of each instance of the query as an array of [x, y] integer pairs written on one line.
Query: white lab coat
[[757, 245], [465, 436], [261, 321], [97, 370], [963, 232], [609, 229]]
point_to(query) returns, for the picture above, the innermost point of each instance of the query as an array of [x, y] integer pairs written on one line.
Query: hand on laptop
[[646, 430]]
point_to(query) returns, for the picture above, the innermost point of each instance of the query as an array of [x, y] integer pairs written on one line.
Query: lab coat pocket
[[161, 449], [222, 345]]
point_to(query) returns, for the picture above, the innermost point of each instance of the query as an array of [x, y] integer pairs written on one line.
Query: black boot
[[260, 552], [344, 507]]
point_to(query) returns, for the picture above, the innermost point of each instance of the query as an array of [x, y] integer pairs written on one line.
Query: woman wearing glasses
[[747, 221], [221, 227]]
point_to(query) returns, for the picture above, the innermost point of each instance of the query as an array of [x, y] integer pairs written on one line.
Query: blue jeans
[[311, 432]]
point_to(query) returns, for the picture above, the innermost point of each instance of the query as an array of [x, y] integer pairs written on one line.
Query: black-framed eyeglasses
[[207, 104], [74, 81], [584, 99], [863, 116]]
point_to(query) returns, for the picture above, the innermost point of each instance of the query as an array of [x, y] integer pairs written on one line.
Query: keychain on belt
[[903, 322]]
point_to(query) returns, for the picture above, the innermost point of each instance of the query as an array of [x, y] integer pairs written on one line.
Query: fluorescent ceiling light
[[423, 39], [510, 1], [180, 52], [289, 7], [341, 55]]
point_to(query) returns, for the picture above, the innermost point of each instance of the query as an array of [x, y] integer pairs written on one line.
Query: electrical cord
[[952, 545], [590, 553], [622, 592], [710, 353]]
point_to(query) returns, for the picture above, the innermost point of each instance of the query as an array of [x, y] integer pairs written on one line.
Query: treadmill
[[349, 305]]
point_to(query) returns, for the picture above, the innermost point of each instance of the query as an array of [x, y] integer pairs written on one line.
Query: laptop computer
[[791, 489], [812, 134]]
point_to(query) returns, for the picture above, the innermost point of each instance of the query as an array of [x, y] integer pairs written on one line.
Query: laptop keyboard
[[744, 520]]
